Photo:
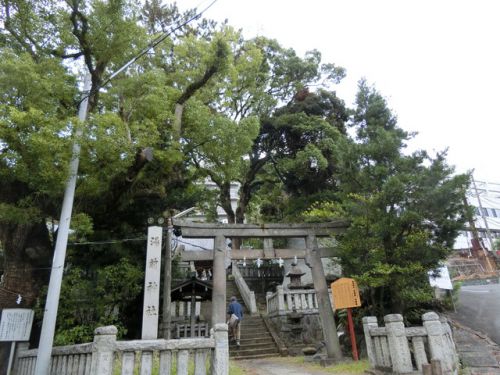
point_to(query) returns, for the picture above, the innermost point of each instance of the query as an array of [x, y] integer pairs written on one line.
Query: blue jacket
[[236, 309]]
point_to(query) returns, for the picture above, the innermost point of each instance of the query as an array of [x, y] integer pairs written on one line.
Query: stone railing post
[[438, 345], [268, 297], [220, 360], [103, 351], [281, 300], [398, 343], [370, 322], [448, 338]]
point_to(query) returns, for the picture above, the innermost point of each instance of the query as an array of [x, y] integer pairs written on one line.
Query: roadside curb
[[481, 335]]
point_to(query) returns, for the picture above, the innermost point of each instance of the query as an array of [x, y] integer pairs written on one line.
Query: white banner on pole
[[443, 281], [152, 284]]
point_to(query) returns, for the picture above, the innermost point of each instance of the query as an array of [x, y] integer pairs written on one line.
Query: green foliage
[[324, 212], [248, 115], [18, 215], [497, 244], [94, 298], [81, 225], [405, 211]]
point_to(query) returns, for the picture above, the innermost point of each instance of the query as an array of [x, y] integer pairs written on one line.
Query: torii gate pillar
[[313, 260], [219, 282]]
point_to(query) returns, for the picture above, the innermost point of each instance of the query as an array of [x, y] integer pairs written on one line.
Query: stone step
[[256, 340], [251, 320], [254, 323], [258, 336], [255, 356], [243, 353], [250, 329], [246, 346], [255, 329]]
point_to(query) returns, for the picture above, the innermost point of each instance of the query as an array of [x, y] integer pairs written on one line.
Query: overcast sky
[[436, 62]]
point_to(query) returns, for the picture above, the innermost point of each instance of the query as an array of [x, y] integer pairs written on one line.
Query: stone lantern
[[295, 274]]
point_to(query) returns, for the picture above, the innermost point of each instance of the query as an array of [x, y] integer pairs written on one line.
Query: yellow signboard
[[345, 293]]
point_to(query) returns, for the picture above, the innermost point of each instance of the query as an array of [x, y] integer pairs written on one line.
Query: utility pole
[[56, 274]]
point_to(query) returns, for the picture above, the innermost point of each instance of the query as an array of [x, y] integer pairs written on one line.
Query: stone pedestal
[[104, 347]]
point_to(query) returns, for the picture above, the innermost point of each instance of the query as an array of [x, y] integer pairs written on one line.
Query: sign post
[[345, 294], [15, 326]]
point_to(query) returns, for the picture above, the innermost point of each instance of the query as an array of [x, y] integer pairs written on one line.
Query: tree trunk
[[26, 267], [396, 303]]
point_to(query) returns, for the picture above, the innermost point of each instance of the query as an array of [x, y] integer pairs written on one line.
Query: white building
[[197, 244], [484, 197]]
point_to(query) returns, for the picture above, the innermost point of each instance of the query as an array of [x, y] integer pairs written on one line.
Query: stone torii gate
[[312, 255]]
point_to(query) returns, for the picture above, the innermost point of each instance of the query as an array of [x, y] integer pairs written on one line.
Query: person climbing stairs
[[256, 341]]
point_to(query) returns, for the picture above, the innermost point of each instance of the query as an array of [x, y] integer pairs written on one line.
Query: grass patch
[[234, 369], [358, 367], [348, 367]]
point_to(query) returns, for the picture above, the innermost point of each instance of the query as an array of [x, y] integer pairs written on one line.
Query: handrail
[[179, 344], [247, 294], [61, 350]]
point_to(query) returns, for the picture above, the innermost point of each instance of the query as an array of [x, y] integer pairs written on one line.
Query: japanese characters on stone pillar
[[152, 284]]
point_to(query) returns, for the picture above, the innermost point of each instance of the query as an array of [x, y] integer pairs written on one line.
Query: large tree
[[405, 210], [262, 77], [131, 165], [38, 118]]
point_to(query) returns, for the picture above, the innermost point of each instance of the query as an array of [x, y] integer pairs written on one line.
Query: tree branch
[[17, 37], [80, 30], [66, 55]]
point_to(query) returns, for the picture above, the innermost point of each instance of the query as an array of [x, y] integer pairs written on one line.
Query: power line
[[33, 268], [108, 241]]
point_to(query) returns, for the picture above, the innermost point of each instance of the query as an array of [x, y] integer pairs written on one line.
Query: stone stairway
[[256, 341]]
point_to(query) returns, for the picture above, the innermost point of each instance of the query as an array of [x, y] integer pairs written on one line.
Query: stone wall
[[298, 330]]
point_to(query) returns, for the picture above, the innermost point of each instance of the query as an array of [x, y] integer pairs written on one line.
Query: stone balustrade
[[181, 310], [107, 356], [401, 349], [247, 295], [283, 301]]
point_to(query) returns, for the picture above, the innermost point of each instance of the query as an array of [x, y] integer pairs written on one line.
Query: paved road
[[479, 308]]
